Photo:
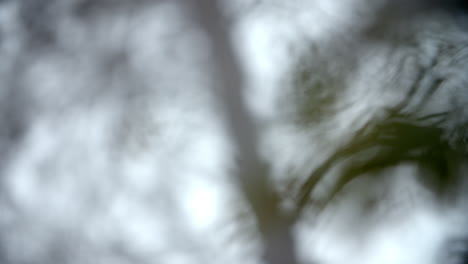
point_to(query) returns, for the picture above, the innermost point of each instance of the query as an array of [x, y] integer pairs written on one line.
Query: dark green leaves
[[384, 144]]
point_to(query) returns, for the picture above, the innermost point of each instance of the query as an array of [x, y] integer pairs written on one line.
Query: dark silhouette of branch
[[252, 174]]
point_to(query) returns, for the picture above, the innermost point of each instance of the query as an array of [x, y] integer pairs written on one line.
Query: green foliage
[[395, 140]]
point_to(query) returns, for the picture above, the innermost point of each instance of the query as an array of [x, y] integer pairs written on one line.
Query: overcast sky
[[114, 149]]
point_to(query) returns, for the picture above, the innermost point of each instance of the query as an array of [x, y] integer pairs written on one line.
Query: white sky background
[[121, 155], [123, 158]]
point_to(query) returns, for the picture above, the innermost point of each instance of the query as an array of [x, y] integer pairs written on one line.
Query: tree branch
[[252, 174]]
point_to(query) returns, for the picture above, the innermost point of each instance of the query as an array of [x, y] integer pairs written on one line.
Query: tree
[[111, 125]]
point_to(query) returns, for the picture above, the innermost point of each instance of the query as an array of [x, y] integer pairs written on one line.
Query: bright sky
[[123, 157]]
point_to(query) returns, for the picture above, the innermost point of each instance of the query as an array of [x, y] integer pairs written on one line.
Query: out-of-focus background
[[115, 146]]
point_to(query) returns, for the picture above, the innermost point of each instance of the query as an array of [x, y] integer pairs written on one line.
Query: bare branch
[[252, 174]]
